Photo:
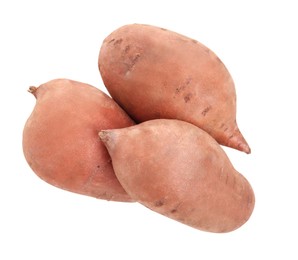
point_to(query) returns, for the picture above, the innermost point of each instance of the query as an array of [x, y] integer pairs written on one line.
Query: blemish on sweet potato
[[175, 209], [111, 40], [134, 60], [131, 63], [222, 125], [183, 85], [159, 203], [127, 48], [187, 97], [118, 41], [206, 110]]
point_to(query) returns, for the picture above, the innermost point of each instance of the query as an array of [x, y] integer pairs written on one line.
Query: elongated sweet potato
[[60, 139], [178, 170], [155, 73]]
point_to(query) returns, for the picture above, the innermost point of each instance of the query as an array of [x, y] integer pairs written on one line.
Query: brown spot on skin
[[192, 209], [159, 203], [187, 97], [183, 85], [118, 41], [163, 29], [222, 125], [127, 48], [175, 209], [194, 41], [226, 129], [206, 110], [111, 41], [231, 136], [177, 91], [135, 58], [207, 50], [132, 62]]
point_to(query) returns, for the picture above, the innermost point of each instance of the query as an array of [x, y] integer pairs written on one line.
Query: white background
[[257, 41]]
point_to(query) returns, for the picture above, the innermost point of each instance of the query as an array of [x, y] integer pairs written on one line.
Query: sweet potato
[[60, 138], [155, 73], [178, 170]]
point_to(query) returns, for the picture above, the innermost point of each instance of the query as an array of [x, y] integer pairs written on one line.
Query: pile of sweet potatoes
[[156, 140]]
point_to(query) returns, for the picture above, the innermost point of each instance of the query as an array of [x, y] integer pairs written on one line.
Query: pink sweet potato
[[60, 140], [154, 73], [178, 170]]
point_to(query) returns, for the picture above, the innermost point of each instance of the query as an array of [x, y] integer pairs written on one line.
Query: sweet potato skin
[[178, 170], [155, 73], [60, 140]]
